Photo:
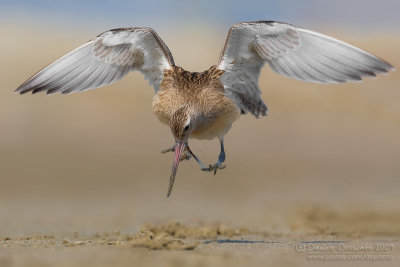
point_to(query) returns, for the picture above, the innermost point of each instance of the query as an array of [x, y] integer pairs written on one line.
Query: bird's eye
[[186, 128]]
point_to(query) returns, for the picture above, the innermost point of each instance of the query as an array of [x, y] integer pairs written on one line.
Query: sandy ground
[[320, 239], [83, 182]]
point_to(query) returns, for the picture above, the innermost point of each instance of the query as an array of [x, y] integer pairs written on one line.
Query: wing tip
[[384, 67], [22, 90], [18, 91], [390, 67]]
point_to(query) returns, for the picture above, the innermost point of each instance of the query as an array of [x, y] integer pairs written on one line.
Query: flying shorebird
[[204, 105]]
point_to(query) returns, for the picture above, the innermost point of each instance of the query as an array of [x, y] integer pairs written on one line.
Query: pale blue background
[[363, 15]]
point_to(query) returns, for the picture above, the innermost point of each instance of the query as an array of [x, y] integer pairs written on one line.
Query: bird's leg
[[221, 159], [185, 154], [195, 157]]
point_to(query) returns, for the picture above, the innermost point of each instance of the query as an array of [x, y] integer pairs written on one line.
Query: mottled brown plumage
[[197, 98]]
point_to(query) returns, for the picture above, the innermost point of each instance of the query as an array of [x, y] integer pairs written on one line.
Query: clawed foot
[[184, 156], [214, 167]]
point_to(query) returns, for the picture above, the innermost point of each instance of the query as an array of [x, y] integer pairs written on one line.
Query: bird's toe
[[218, 166], [206, 169], [170, 149], [214, 168]]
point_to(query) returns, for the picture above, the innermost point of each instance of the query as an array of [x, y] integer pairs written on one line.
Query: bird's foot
[[184, 156], [214, 167]]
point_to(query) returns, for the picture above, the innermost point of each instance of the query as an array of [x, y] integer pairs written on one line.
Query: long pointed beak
[[179, 146]]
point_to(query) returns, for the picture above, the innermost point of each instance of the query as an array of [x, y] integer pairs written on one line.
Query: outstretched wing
[[294, 52], [104, 60]]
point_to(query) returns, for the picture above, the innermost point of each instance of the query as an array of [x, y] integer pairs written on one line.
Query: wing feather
[[104, 60], [294, 52]]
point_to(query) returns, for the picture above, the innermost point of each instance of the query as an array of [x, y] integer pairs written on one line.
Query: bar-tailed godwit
[[204, 105]]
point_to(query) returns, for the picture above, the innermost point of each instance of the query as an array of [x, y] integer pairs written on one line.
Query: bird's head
[[181, 124]]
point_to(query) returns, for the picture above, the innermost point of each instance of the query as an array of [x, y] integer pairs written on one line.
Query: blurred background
[[91, 162]]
